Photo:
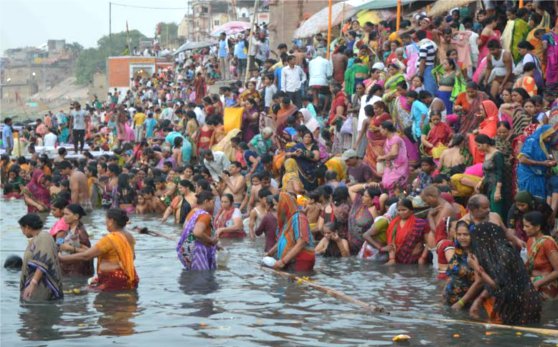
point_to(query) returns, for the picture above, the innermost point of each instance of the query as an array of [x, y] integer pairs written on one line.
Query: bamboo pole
[[249, 61], [540, 331], [398, 20], [330, 5], [335, 293]]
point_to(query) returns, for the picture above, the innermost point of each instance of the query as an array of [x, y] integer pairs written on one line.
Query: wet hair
[[331, 226], [424, 94], [407, 203], [31, 220], [536, 218], [315, 195], [264, 192], [526, 45], [187, 184], [64, 165], [493, 44], [373, 192], [428, 160], [118, 216], [76, 209], [472, 85], [388, 125], [13, 262], [114, 168], [369, 110], [412, 94], [504, 123], [484, 140], [530, 66], [330, 175], [340, 195], [438, 179], [457, 140], [205, 196], [204, 184]]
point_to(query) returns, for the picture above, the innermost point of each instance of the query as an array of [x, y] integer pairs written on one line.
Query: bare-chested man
[[479, 211], [441, 211], [78, 185], [235, 183]]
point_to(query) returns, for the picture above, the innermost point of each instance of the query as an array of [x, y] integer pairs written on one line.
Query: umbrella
[[441, 7], [194, 45], [230, 28], [340, 12]]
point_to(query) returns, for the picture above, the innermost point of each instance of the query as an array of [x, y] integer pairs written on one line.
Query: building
[[121, 69]]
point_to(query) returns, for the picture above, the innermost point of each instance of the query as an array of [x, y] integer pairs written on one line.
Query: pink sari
[[396, 170]]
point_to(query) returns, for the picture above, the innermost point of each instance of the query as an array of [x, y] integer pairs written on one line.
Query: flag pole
[[398, 20], [329, 27], [249, 61]]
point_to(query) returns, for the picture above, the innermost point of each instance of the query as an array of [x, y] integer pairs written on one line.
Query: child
[[436, 136], [332, 245], [257, 213], [270, 90]]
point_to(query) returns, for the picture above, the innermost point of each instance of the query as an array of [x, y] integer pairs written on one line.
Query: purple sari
[[194, 255]]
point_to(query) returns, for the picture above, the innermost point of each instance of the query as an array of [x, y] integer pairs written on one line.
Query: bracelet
[[461, 303]]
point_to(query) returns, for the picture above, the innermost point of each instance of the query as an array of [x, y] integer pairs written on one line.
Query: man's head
[[479, 207], [430, 195], [208, 155], [8, 121], [235, 168], [350, 157], [65, 167], [427, 165], [291, 60]]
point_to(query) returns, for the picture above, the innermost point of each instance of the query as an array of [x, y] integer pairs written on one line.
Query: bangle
[[461, 303]]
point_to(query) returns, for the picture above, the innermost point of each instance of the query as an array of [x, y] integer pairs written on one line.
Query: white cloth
[[361, 114], [319, 70], [50, 140], [219, 163], [292, 78]]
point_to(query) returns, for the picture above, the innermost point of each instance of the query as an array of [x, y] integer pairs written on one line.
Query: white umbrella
[[188, 46]]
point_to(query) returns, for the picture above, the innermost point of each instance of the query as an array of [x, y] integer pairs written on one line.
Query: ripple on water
[[239, 304]]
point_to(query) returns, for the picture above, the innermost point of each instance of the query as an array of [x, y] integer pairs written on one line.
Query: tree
[[94, 60], [167, 34]]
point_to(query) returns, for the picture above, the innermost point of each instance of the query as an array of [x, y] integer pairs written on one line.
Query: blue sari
[[532, 178]]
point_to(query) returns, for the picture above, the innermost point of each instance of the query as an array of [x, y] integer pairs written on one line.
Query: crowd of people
[[431, 144]]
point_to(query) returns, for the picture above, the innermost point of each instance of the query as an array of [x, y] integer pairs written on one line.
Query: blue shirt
[[223, 49], [277, 74], [186, 150], [239, 50], [150, 124], [7, 137], [417, 111]]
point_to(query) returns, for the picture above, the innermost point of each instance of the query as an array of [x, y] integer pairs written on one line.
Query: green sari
[[520, 32], [350, 79]]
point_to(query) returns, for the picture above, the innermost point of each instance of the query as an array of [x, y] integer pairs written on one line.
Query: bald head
[[431, 191], [477, 201]]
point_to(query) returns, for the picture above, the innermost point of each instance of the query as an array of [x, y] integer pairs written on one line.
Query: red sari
[[222, 220], [407, 239], [376, 142], [488, 127], [439, 134]]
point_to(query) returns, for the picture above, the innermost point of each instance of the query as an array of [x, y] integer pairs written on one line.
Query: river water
[[239, 304]]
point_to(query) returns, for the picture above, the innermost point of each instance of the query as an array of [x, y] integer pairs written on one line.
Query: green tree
[[167, 34], [94, 60]]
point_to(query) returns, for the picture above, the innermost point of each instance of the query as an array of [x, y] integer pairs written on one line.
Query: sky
[[33, 22]]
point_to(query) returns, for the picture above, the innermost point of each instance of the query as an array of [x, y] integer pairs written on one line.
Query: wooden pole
[[335, 293], [249, 61], [398, 20], [330, 6], [520, 4]]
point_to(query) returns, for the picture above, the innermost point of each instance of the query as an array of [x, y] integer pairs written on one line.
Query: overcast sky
[[33, 22]]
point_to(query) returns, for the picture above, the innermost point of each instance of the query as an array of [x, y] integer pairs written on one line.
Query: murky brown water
[[239, 304]]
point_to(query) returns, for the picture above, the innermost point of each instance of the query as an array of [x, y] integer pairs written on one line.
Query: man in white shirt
[[320, 71], [78, 127], [215, 162], [49, 139], [292, 79]]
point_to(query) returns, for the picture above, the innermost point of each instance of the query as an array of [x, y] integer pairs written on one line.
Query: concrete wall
[[286, 15], [44, 77]]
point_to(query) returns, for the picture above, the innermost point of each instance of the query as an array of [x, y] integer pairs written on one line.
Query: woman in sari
[[505, 145], [205, 135], [249, 93], [228, 222], [307, 156], [395, 159], [287, 109], [73, 240], [36, 193], [394, 77], [406, 236], [375, 140], [508, 296], [550, 44], [542, 256], [495, 184], [535, 161], [41, 276], [489, 122], [197, 246], [250, 120], [291, 181], [365, 208], [115, 253], [354, 75], [200, 87], [467, 105], [295, 249]]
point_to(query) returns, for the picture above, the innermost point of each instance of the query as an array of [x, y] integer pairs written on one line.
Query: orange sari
[[116, 249]]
